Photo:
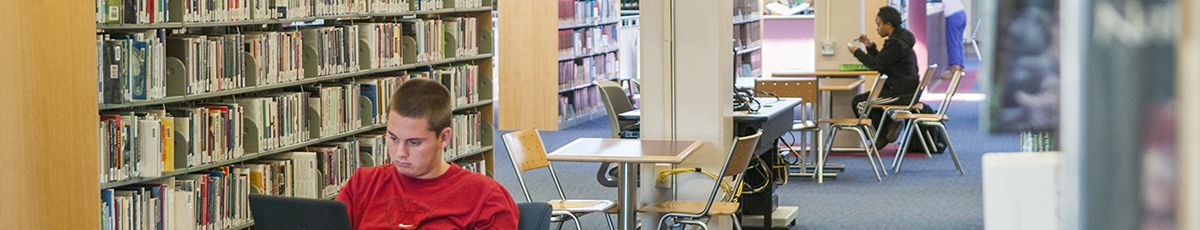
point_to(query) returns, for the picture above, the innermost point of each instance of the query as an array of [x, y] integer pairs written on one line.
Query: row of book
[[130, 66], [163, 11], [585, 41], [335, 109], [218, 198], [277, 56], [152, 65], [747, 35], [469, 133], [574, 12], [147, 143], [208, 63], [746, 9], [581, 102], [334, 48], [748, 64], [479, 166], [586, 70]]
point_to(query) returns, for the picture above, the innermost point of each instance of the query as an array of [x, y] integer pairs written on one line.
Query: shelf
[[247, 225], [175, 99], [470, 154], [744, 21], [746, 51], [172, 25], [588, 25], [577, 120], [473, 105], [246, 157], [578, 87], [562, 59]]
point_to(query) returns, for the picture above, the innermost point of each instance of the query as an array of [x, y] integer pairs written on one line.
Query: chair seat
[[691, 207], [847, 121], [804, 125], [922, 117], [581, 206]]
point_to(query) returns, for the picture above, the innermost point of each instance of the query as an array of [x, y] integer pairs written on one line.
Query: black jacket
[[897, 60]]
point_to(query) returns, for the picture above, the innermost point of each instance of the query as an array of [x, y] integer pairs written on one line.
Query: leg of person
[[857, 100], [955, 25]]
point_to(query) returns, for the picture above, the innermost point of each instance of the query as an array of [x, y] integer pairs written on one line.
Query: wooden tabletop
[[838, 84], [812, 73], [625, 151]]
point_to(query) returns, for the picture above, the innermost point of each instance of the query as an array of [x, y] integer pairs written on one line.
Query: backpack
[[939, 142]]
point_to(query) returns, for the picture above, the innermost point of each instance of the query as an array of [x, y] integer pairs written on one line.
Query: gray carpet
[[927, 194]]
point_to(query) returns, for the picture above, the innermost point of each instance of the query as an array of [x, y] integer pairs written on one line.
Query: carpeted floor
[[927, 194]]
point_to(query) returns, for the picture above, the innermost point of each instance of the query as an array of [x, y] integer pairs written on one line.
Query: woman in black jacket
[[896, 60]]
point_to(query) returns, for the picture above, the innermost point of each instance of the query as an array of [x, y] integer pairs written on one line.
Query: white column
[[687, 80]]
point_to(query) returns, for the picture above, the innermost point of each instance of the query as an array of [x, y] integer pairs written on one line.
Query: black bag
[[939, 142]]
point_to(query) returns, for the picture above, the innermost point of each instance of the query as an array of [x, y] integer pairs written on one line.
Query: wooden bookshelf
[[531, 66], [483, 107], [50, 164]]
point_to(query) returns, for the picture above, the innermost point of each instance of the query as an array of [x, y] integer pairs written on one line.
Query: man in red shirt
[[419, 190]]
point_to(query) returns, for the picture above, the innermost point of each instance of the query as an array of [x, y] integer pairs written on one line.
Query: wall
[[527, 57], [49, 155], [839, 21], [788, 43]]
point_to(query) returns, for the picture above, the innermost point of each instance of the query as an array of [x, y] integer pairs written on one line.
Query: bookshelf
[[747, 36], [273, 91], [585, 51]]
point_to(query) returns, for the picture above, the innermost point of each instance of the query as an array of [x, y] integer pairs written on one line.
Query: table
[[775, 119], [628, 153]]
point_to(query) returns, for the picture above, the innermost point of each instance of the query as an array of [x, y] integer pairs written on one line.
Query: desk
[[822, 73], [629, 153], [775, 119]]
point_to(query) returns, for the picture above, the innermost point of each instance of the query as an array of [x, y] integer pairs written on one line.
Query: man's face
[[414, 150], [883, 29]]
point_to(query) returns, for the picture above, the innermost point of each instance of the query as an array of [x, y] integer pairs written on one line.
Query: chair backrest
[[950, 92], [804, 88], [925, 80], [615, 102], [736, 163], [534, 216], [875, 89], [527, 152]]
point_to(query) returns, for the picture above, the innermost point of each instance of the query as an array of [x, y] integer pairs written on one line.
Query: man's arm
[[890, 54], [498, 210]]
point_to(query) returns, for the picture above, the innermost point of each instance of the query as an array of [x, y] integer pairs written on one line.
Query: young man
[[896, 59], [419, 190]]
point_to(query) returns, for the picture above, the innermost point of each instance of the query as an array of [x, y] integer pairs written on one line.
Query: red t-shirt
[[380, 198]]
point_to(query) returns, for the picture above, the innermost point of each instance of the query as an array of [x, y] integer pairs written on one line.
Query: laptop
[[276, 212]]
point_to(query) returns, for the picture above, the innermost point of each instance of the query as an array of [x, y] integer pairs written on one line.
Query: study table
[[774, 117], [628, 153]]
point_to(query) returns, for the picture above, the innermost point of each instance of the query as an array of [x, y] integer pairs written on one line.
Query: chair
[[615, 102], [863, 126], [527, 152], [534, 216], [913, 121], [974, 39], [913, 105], [693, 212], [806, 90]]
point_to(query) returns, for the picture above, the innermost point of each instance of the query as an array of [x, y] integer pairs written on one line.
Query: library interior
[[599, 114]]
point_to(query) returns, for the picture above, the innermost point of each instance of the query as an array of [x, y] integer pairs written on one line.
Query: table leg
[[826, 100], [627, 196]]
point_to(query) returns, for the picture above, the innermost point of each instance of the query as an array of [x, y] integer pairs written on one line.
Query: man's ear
[[446, 135]]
